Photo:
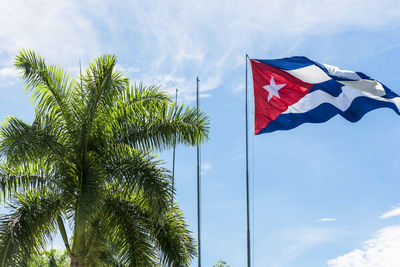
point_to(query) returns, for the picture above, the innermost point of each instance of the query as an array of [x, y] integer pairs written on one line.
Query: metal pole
[[173, 153], [80, 72], [247, 179], [198, 180]]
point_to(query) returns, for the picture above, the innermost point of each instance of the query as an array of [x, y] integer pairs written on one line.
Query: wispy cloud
[[380, 251], [392, 213], [127, 69], [59, 30], [300, 240], [205, 167], [174, 41], [210, 38], [8, 76], [327, 219]]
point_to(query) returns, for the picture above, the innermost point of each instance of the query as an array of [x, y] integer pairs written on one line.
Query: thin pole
[[198, 180], [173, 153], [80, 72], [247, 179]]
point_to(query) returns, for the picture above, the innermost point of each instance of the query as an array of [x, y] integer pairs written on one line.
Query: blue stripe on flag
[[289, 63], [331, 87], [363, 76], [324, 112], [389, 93]]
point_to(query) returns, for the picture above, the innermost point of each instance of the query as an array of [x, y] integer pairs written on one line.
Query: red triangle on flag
[[274, 91]]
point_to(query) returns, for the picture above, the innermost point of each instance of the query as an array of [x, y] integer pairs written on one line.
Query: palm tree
[[86, 160]]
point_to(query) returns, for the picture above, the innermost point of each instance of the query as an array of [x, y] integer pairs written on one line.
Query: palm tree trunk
[[75, 261]]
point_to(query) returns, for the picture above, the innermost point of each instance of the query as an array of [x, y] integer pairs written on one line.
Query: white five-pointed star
[[273, 89]]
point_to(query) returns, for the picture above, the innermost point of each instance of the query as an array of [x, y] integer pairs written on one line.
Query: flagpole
[[173, 152], [247, 178], [198, 180]]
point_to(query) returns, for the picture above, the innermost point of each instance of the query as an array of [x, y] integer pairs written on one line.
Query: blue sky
[[321, 194]]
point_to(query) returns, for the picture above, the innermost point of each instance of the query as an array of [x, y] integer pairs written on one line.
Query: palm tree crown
[[86, 160]]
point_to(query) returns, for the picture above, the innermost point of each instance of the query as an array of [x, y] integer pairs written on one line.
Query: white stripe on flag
[[310, 74], [342, 101], [348, 74], [372, 87]]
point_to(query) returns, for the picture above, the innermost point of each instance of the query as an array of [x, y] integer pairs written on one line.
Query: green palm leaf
[[135, 171], [49, 85], [160, 126], [27, 228]]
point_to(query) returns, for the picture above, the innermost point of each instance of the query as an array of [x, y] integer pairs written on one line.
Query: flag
[[292, 91]]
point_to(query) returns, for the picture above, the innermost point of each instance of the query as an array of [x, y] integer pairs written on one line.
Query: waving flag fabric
[[292, 91]]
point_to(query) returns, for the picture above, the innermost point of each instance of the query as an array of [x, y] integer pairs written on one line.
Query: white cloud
[[59, 30], [8, 73], [392, 213], [380, 251], [239, 88], [8, 76], [128, 70], [236, 157], [205, 167], [307, 236], [327, 219], [204, 95], [300, 240]]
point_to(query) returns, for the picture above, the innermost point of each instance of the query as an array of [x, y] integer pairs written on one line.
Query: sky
[[321, 194]]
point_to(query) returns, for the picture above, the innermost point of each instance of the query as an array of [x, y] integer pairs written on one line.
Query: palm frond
[[159, 127], [130, 214], [28, 227], [135, 171], [50, 86], [20, 179], [175, 240], [22, 142], [129, 233], [140, 94], [101, 86]]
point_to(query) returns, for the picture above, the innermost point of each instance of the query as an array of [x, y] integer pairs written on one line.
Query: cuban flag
[[292, 91]]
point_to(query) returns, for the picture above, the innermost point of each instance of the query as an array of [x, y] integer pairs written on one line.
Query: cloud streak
[[205, 167], [392, 213], [60, 30], [327, 219], [8, 76], [299, 241]]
